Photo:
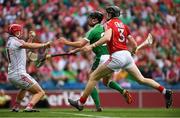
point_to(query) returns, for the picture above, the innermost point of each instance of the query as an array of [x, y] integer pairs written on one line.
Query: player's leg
[[19, 98], [95, 97], [95, 76], [150, 82], [101, 72], [26, 82], [38, 93], [94, 93], [141, 80], [114, 85], [106, 82], [115, 65]]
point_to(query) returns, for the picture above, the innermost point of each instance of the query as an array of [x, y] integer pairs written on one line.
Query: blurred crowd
[[51, 19]]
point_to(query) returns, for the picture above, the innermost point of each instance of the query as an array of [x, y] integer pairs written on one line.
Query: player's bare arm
[[132, 43], [27, 45], [104, 39], [78, 44], [75, 50]]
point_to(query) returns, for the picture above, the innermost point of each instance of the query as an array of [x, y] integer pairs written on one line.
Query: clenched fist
[[32, 34]]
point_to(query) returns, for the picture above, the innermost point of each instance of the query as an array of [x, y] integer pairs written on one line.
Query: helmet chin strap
[[109, 17], [18, 34]]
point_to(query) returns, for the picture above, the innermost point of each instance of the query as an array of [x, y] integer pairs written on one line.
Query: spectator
[[58, 76], [172, 76], [3, 76], [5, 100], [70, 73]]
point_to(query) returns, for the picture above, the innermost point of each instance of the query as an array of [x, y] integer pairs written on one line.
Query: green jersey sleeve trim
[[86, 39]]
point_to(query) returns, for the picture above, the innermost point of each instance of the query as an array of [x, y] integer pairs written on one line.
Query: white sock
[[79, 103], [124, 91], [164, 91], [109, 83]]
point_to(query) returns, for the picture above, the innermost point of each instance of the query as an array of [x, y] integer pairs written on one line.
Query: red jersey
[[119, 35]]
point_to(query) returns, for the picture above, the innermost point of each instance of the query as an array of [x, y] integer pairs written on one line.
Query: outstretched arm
[[104, 39], [132, 43], [78, 44], [75, 50], [27, 45]]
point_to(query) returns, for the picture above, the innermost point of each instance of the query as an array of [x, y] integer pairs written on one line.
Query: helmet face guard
[[13, 28], [96, 15], [113, 10]]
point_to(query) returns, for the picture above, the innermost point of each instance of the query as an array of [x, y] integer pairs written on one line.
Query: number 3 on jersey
[[102, 34], [121, 31]]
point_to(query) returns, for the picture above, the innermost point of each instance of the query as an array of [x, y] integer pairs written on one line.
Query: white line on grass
[[85, 115], [95, 116]]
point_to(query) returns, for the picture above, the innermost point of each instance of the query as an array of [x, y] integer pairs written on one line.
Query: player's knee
[[141, 81], [42, 92], [93, 77]]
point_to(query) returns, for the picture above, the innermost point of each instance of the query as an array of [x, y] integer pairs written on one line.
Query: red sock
[[160, 88], [16, 104], [82, 100], [30, 106]]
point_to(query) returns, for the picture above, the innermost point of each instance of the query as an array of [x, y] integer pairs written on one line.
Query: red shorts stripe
[[26, 79], [108, 61]]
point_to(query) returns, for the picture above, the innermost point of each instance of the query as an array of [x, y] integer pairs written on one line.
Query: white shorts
[[99, 61], [22, 81], [121, 59], [103, 59]]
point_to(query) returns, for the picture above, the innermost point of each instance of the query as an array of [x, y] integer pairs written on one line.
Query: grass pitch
[[88, 113]]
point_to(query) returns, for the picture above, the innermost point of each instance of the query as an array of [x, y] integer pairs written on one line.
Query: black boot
[[75, 104], [168, 98]]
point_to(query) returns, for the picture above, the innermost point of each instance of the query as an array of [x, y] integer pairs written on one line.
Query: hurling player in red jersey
[[115, 36]]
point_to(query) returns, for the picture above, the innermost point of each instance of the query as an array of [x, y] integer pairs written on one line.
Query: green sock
[[95, 97], [116, 86]]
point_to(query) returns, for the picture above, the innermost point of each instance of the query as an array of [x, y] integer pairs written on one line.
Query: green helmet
[[96, 14], [113, 10]]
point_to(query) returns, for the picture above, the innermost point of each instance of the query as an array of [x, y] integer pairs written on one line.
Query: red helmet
[[14, 27]]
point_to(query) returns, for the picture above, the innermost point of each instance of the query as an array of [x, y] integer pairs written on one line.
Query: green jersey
[[93, 35]]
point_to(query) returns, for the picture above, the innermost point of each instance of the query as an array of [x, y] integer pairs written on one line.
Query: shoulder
[[15, 39], [98, 28], [127, 29], [14, 42], [125, 26], [108, 22], [101, 26], [11, 38], [18, 40], [111, 22], [91, 31]]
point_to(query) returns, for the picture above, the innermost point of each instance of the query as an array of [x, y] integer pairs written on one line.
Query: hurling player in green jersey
[[101, 52]]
